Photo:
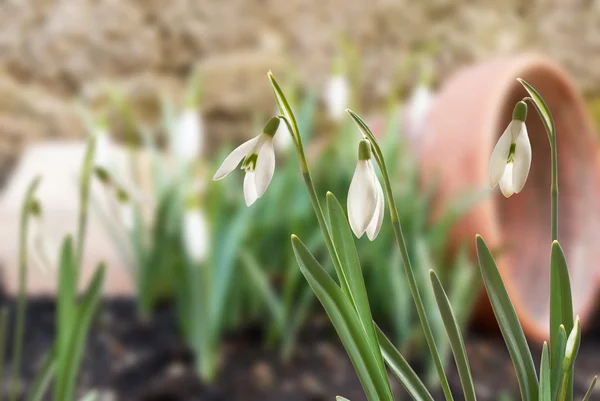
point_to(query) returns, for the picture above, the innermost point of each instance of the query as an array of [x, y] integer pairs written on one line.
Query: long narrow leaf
[[66, 313], [456, 339], [85, 313], [588, 393], [545, 390], [561, 305], [509, 323], [541, 106], [346, 322], [44, 377], [556, 361], [343, 241], [402, 369], [283, 105]]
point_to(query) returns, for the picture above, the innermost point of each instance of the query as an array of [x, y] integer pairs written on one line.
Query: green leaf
[[66, 309], [43, 378], [561, 307], [343, 241], [81, 327], [509, 323], [545, 391], [402, 369], [588, 393], [284, 106], [572, 347], [260, 285], [456, 339], [346, 322], [557, 359], [541, 106]]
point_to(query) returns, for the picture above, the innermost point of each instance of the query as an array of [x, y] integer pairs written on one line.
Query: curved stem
[[314, 199], [412, 282], [19, 330]]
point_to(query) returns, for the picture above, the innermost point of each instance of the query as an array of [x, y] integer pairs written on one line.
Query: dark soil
[[130, 360]]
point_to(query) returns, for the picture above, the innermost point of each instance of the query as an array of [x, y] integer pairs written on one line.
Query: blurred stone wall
[[55, 51]]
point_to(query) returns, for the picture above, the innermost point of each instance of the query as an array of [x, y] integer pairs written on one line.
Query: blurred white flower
[[284, 140], [365, 196], [188, 140], [511, 158], [104, 149], [195, 235], [417, 109], [337, 96], [258, 155]]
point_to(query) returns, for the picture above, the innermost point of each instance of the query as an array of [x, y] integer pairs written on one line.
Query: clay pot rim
[[501, 91]]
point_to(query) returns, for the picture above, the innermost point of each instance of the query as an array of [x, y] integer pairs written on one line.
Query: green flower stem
[[22, 296], [554, 188], [412, 282], [314, 199]]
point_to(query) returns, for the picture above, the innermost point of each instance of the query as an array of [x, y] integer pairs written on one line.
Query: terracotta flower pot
[[470, 114]]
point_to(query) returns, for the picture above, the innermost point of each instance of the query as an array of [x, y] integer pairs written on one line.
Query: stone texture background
[[55, 51]]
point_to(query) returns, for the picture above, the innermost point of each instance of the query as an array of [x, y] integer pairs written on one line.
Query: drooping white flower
[[195, 234], [188, 140], [258, 160], [337, 96], [365, 197], [511, 158]]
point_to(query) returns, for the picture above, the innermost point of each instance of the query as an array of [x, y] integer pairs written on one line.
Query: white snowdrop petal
[[234, 158], [377, 220], [522, 161], [250, 194], [506, 183], [361, 199], [499, 157], [265, 166]]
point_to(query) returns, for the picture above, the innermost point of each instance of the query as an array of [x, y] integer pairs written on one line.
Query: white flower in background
[[365, 197], [418, 107], [195, 234], [258, 155], [511, 158], [103, 151], [337, 96], [188, 140]]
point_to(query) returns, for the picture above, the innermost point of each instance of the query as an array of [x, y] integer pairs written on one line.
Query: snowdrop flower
[[258, 160], [195, 234], [511, 158], [365, 197], [337, 94], [189, 136]]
